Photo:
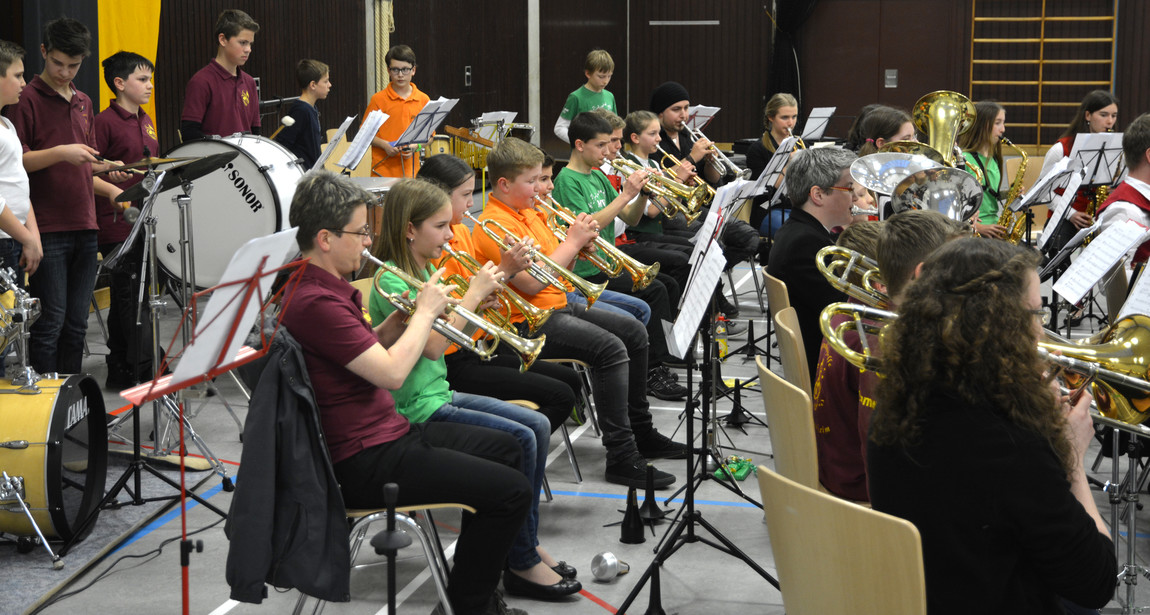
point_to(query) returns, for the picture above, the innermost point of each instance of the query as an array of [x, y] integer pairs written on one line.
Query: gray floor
[[698, 579]]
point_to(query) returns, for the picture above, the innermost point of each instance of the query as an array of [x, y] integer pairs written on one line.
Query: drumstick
[[284, 123]]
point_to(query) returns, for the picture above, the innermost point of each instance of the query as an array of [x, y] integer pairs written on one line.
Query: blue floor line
[[615, 496], [163, 520]]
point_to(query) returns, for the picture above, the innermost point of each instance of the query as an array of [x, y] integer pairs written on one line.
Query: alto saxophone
[[1014, 222]]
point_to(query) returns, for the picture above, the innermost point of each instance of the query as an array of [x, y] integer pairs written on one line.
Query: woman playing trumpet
[[416, 223], [964, 403]]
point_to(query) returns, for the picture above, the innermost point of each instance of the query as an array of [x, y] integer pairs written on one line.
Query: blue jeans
[[533, 432], [617, 303], [10, 253], [64, 284]]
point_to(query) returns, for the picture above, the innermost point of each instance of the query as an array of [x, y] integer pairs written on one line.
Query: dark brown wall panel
[[1132, 66], [290, 30]]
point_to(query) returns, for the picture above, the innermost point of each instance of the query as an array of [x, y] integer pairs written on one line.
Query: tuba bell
[[942, 116]]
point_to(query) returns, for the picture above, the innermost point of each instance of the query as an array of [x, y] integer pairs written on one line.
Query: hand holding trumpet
[[584, 230], [434, 298], [517, 257], [635, 183]]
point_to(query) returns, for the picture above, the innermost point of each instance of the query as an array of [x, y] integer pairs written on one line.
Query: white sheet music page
[[709, 229], [1059, 209], [1139, 300], [699, 116], [367, 130], [1103, 253], [817, 123], [1040, 186], [696, 300], [332, 143], [491, 121]]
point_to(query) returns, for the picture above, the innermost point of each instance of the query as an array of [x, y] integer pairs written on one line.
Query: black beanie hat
[[666, 95]]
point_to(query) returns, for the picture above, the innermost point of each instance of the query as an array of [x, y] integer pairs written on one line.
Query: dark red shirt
[[121, 136], [223, 104], [325, 314], [61, 194]]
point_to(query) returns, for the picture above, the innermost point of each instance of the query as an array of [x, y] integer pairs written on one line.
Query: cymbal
[[190, 171], [143, 163]]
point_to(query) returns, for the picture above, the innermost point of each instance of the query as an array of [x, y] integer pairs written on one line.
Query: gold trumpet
[[526, 349], [615, 261], [676, 197], [706, 192], [546, 271], [798, 140], [853, 274], [535, 317]]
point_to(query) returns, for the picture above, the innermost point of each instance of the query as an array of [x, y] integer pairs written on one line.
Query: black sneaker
[[661, 387], [498, 607], [632, 472], [655, 445], [666, 372]]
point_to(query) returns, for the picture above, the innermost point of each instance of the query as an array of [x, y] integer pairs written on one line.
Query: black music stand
[[420, 130]]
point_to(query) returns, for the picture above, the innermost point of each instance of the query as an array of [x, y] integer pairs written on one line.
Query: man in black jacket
[[820, 180]]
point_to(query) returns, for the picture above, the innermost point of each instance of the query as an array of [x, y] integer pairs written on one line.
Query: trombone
[[526, 349], [535, 317], [547, 271], [676, 197], [615, 262]]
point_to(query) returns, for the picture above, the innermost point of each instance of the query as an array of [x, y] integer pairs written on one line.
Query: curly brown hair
[[964, 332]]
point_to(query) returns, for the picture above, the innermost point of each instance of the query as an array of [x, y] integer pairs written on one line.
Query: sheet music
[[1103, 253], [817, 123], [696, 300], [775, 167], [778, 196], [489, 123], [367, 130], [212, 329], [429, 118], [1061, 204], [333, 142], [1044, 183], [699, 116], [1101, 155], [1139, 300], [710, 228]]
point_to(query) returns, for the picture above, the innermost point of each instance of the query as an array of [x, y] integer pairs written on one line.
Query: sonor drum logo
[[76, 413], [241, 184]]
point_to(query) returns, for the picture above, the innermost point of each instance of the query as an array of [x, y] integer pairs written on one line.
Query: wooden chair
[[777, 298], [792, 428], [792, 353], [363, 169], [835, 557]]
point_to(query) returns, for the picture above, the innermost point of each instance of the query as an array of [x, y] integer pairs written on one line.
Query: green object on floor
[[739, 467]]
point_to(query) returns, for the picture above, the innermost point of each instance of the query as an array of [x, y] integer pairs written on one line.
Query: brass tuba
[[942, 116], [1014, 222]]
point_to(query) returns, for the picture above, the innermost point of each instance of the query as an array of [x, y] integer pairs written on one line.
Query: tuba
[[1014, 222], [942, 116]]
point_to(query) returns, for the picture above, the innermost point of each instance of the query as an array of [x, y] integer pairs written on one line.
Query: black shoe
[[728, 309], [565, 570], [119, 379], [655, 445], [498, 607], [518, 586], [632, 472], [666, 372], [663, 388]]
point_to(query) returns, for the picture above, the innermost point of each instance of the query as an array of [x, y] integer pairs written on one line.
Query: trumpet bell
[[883, 172], [952, 192]]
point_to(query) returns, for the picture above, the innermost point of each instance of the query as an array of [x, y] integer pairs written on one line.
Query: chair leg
[[547, 489], [758, 285], [571, 453], [734, 291], [588, 403], [99, 317]]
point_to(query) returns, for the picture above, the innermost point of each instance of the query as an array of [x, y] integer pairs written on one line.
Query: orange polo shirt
[[460, 242], [526, 222], [400, 112]]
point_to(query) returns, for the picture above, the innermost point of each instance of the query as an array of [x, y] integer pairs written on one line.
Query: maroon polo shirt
[[325, 314], [61, 194], [121, 136], [223, 104]]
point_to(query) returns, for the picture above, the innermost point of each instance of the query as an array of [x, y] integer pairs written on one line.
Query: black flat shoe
[[565, 570], [518, 586]]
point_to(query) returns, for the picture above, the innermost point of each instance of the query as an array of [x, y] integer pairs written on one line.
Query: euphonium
[[853, 274], [1014, 222], [526, 349], [942, 116], [676, 197], [535, 317], [616, 261], [547, 271]]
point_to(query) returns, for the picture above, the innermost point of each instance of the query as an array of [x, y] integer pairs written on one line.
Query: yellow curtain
[[128, 25]]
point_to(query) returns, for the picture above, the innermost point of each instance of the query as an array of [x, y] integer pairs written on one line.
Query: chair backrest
[[363, 169], [836, 557], [777, 295], [792, 353], [791, 421], [364, 286]]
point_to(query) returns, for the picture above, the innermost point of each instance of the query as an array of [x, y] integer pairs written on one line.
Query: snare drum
[[65, 462], [248, 197]]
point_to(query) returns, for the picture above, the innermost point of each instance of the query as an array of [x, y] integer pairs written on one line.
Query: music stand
[[422, 126], [816, 124], [367, 131], [333, 142]]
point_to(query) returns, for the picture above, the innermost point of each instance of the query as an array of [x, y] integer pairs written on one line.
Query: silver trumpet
[[720, 158]]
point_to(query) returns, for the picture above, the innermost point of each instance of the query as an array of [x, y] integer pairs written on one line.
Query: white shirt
[[1121, 211], [13, 179]]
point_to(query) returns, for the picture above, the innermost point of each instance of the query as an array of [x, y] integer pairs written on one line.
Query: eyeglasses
[[1042, 314], [396, 70], [363, 232], [849, 189]]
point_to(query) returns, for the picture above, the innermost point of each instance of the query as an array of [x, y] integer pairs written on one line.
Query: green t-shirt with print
[[584, 99], [585, 193]]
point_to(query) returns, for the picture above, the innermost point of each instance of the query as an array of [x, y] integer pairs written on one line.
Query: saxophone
[[1014, 222]]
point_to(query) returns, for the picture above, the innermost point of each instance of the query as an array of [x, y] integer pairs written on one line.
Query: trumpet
[[798, 140], [853, 274], [705, 193], [546, 271], [535, 317], [526, 349], [675, 197], [616, 260], [720, 158]]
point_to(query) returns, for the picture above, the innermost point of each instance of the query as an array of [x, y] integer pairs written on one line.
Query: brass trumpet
[[526, 349], [546, 271], [706, 193], [615, 262], [719, 157], [676, 197], [535, 317], [853, 274]]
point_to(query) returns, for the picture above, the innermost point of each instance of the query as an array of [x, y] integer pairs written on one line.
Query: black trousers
[[551, 386], [658, 294], [449, 462], [129, 345]]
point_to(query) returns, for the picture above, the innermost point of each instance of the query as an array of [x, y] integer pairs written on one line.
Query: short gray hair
[[323, 200], [820, 167]]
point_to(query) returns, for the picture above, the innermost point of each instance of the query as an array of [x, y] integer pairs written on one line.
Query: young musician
[[125, 132], [946, 428], [221, 99], [54, 122], [779, 117], [982, 148], [20, 248], [1130, 200], [401, 101], [598, 68], [304, 138], [351, 365], [614, 346], [883, 125], [819, 180]]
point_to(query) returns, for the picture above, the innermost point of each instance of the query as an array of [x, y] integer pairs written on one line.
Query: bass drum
[[57, 442], [248, 197]]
